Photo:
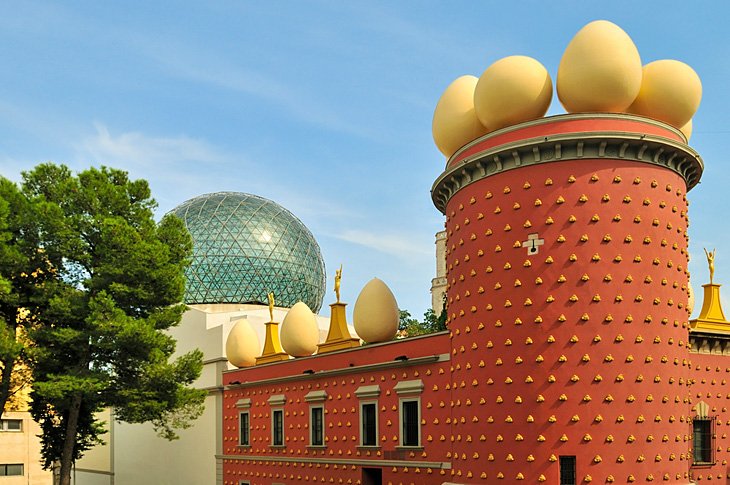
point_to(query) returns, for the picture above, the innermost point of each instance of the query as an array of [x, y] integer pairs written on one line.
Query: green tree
[[406, 321], [23, 275], [410, 327], [118, 286]]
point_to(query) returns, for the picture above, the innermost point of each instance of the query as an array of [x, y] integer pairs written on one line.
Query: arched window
[[703, 436]]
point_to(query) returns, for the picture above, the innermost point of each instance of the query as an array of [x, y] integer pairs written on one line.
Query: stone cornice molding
[[366, 368], [709, 343], [375, 461], [608, 145]]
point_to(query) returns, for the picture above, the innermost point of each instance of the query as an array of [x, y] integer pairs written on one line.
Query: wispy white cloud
[[176, 167], [149, 151], [181, 166], [394, 244]]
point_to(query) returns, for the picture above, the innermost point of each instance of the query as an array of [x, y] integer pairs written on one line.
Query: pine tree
[[118, 285]]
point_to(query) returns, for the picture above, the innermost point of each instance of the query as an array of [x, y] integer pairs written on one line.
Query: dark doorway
[[372, 476]]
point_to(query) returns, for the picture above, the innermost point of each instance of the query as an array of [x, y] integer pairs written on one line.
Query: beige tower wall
[[23, 447], [438, 284]]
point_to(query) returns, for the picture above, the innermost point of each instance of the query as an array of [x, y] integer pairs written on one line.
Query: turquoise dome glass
[[244, 247]]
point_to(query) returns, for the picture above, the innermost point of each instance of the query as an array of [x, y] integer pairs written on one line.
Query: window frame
[[410, 392], [710, 422], [316, 400], [312, 429], [376, 422], [247, 428], [4, 469], [277, 403], [403, 423], [6, 429], [280, 441], [368, 396], [244, 405]]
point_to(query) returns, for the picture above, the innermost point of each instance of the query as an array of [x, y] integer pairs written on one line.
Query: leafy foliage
[[113, 284], [432, 323], [24, 273]]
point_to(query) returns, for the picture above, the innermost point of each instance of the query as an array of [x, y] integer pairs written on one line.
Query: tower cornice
[[612, 145]]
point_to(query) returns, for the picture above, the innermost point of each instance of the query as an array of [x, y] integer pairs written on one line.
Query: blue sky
[[322, 106]]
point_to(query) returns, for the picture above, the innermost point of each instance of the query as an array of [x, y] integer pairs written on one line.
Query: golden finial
[[711, 262], [270, 296], [338, 279]]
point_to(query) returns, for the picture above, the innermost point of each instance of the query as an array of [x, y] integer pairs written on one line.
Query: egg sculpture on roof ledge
[[376, 314], [671, 92], [455, 121], [242, 344], [512, 90], [299, 331], [600, 70]]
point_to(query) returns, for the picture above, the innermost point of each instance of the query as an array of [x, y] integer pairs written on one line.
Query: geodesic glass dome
[[244, 247]]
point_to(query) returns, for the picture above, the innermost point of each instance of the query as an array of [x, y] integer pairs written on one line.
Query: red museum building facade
[[569, 357]]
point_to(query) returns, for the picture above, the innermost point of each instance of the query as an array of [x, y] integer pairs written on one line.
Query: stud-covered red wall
[[579, 348], [339, 375], [710, 373]]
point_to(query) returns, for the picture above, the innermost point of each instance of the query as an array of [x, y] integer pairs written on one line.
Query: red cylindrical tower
[[567, 271]]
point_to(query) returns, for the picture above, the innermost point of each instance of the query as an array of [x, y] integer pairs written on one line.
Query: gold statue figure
[[338, 279], [270, 296], [711, 262]]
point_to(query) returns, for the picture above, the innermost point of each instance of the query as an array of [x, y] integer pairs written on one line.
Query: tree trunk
[[69, 442]]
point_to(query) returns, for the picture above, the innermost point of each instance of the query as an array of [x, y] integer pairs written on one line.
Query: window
[[411, 423], [11, 425], [244, 422], [317, 426], [277, 428], [368, 414], [702, 440], [244, 425], [567, 470], [11, 470], [369, 418], [316, 417], [410, 411], [277, 419]]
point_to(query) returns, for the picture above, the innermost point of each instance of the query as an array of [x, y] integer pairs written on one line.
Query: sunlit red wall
[[581, 348], [297, 462], [710, 374]]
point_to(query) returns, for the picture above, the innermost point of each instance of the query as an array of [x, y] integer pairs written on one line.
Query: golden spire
[[338, 337], [711, 262], [712, 317], [338, 279], [273, 352], [270, 296]]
